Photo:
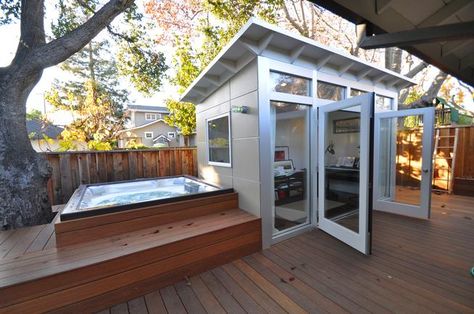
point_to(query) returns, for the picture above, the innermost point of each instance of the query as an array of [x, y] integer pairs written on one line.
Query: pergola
[[441, 32]]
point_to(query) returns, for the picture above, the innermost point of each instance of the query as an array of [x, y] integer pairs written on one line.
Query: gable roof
[[40, 128], [142, 108], [258, 38], [143, 125]]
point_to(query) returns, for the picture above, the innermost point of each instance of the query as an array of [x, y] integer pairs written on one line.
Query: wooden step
[[93, 228], [93, 275]]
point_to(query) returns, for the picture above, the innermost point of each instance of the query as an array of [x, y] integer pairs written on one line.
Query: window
[[290, 84], [171, 135], [218, 140], [331, 91], [357, 92], [150, 116], [148, 134], [383, 103]]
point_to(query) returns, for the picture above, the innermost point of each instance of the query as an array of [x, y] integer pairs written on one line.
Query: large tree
[[23, 172]]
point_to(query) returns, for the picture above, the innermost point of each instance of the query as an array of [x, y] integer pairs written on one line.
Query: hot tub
[[104, 198]]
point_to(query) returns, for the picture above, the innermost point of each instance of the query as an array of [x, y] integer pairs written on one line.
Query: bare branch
[[62, 48]]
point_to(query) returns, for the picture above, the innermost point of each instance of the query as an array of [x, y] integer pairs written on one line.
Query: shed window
[[218, 141], [290, 84], [357, 92], [331, 91], [383, 103]]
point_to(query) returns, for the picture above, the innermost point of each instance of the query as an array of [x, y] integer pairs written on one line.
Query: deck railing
[[71, 169]]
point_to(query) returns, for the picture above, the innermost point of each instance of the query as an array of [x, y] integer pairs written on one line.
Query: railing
[[71, 169]]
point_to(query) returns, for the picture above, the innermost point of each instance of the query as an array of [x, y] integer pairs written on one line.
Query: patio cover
[[441, 32]]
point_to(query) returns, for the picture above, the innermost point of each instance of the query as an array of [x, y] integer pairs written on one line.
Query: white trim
[[423, 210], [360, 240], [215, 163], [148, 133]]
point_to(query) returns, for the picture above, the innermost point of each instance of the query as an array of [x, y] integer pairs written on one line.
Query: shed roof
[[38, 128], [258, 38]]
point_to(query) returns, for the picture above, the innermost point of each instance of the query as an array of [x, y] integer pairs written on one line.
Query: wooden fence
[[71, 169]]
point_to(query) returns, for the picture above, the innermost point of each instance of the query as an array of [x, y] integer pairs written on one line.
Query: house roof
[[40, 128], [143, 108], [161, 136], [258, 38], [455, 57], [143, 125]]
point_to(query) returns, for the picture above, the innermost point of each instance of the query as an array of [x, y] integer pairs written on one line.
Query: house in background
[[44, 136], [148, 127]]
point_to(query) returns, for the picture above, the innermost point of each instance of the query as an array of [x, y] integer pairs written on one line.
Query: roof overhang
[[258, 38], [436, 31]]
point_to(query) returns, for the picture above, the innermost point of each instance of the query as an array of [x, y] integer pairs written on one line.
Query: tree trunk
[[23, 172]]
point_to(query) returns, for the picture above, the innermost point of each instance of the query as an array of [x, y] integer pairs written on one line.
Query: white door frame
[[360, 240], [386, 205]]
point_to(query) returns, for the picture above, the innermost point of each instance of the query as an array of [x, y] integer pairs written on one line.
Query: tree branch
[[62, 48]]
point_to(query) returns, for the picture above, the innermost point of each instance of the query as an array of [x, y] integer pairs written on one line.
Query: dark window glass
[[218, 135], [290, 84], [331, 91]]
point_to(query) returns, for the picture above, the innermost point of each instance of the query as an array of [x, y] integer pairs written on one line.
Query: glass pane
[[357, 92], [290, 138], [342, 151], [383, 103], [290, 84], [401, 157], [218, 136], [331, 91]]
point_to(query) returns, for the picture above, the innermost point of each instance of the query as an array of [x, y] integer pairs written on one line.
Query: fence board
[[70, 169]]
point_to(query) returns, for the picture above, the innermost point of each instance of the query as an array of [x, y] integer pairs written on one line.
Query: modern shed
[[309, 136]]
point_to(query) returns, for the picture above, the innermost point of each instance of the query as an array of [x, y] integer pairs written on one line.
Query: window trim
[[215, 163], [145, 135], [151, 114]]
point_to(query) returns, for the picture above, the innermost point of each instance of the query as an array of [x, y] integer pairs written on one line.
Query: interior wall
[[292, 133], [345, 144], [244, 173]]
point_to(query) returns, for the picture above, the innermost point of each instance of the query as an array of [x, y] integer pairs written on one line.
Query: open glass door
[[403, 161], [343, 170]]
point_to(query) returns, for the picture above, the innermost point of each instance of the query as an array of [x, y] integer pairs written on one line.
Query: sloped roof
[[258, 38], [148, 108], [455, 57], [144, 125], [40, 128]]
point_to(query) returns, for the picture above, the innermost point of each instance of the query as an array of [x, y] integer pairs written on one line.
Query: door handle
[[425, 170]]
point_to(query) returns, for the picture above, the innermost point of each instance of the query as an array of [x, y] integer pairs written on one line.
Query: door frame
[[361, 241], [423, 210]]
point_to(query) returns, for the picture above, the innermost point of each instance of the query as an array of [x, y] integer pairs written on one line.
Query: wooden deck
[[416, 266]]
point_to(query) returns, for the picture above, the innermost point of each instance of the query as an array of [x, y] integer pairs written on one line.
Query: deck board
[[416, 266]]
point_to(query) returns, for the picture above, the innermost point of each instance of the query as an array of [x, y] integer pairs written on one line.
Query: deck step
[[93, 275], [97, 227]]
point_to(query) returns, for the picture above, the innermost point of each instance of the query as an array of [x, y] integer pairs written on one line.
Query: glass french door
[[403, 162], [344, 141]]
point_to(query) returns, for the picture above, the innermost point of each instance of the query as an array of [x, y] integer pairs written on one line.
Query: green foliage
[[133, 144], [413, 96], [97, 121], [227, 17], [182, 116], [9, 11], [34, 114]]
